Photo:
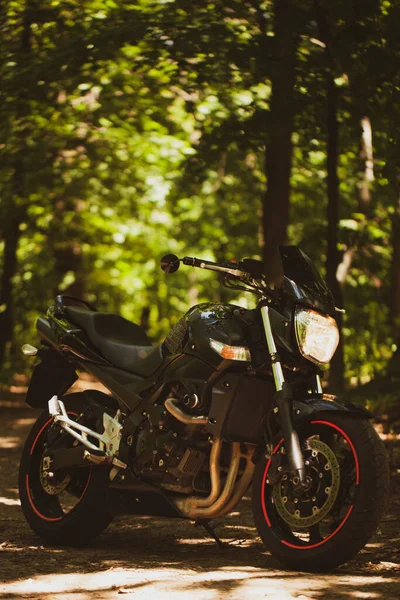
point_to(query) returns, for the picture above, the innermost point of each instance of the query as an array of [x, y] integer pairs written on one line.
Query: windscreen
[[303, 280]]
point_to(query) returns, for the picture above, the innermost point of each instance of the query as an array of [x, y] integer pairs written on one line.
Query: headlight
[[317, 335]]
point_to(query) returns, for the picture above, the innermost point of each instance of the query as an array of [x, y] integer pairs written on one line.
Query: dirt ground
[[141, 557]]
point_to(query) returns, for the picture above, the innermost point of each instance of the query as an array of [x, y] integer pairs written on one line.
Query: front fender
[[303, 407]]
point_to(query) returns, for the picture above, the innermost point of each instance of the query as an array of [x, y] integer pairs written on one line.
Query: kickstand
[[211, 531]]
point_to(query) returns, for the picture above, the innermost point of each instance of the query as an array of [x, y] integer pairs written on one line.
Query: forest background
[[217, 129]]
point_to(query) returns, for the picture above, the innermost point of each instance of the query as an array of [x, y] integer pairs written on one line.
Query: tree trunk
[[14, 214], [394, 302], [395, 295], [68, 259], [367, 165], [145, 318], [275, 216], [66, 247], [336, 371], [11, 239]]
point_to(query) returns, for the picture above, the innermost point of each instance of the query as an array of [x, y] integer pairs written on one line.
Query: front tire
[[326, 526], [72, 507]]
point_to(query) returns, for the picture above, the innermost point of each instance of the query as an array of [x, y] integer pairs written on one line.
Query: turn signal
[[231, 352], [29, 350]]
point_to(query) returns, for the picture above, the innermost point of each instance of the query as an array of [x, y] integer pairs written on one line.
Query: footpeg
[[103, 460], [78, 456]]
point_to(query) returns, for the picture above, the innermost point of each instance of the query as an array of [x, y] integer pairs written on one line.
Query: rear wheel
[[326, 526], [72, 506]]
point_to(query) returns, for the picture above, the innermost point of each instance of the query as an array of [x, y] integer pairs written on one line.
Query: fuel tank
[[226, 323]]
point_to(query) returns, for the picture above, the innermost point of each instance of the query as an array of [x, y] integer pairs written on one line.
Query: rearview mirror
[[169, 263]]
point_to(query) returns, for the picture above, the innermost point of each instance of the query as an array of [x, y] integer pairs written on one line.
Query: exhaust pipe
[[193, 507], [172, 407], [219, 503]]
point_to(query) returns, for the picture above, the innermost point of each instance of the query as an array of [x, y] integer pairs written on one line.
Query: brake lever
[[231, 285]]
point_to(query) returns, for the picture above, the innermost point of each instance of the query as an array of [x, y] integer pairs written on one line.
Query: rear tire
[[326, 527], [80, 510]]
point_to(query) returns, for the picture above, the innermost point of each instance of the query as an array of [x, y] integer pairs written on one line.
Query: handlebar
[[246, 270], [230, 268]]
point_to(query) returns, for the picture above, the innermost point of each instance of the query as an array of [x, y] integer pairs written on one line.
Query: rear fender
[[303, 408], [53, 375]]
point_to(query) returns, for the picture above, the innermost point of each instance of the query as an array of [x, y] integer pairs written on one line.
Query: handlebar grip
[[229, 268], [191, 261]]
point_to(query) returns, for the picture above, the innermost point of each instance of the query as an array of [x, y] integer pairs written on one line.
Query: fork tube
[[285, 406], [276, 365]]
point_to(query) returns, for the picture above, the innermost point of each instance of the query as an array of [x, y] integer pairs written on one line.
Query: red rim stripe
[[38, 435], [263, 484], [52, 518], [28, 491], [41, 431], [322, 541], [348, 441]]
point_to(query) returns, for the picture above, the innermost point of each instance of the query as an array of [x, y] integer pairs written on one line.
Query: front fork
[[284, 406]]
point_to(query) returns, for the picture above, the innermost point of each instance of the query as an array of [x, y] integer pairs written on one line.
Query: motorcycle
[[232, 398]]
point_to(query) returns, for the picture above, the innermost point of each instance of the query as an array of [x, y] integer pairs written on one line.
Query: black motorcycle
[[231, 398]]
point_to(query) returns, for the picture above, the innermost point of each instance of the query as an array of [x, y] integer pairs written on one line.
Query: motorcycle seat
[[120, 341]]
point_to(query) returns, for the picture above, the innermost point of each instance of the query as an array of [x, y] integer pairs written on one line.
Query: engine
[[171, 454]]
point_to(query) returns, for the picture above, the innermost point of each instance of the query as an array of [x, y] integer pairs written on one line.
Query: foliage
[[131, 129]]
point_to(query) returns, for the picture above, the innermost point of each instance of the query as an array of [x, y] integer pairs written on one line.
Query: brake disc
[[307, 509], [52, 483]]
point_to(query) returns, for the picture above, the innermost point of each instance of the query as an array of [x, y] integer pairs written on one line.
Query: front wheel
[[327, 525]]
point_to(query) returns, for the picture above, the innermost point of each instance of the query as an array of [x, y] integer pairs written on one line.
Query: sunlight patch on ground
[[389, 565], [179, 584], [194, 541], [163, 584], [23, 422], [10, 442], [246, 527], [359, 594], [18, 389], [208, 541], [15, 548], [9, 501]]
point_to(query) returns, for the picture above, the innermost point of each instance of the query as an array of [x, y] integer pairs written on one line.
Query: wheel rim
[[53, 499], [319, 514]]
